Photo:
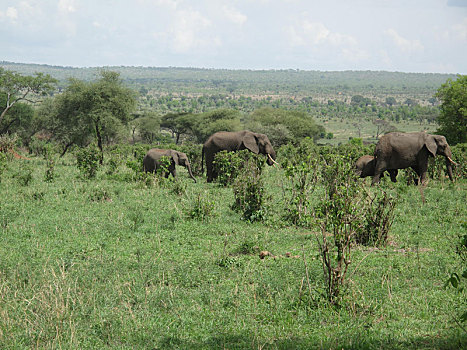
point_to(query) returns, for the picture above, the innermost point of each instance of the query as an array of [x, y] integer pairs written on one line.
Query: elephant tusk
[[453, 162], [272, 160]]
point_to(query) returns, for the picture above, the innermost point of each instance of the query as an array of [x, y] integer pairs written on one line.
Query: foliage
[[98, 110], [249, 192], [453, 116], [378, 217], [50, 170], [227, 165], [8, 143], [15, 87], [285, 125], [202, 208], [457, 280], [87, 160], [301, 166], [339, 217], [3, 164]]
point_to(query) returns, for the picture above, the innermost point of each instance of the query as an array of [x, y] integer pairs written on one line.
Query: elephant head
[[181, 158], [437, 145], [259, 143]]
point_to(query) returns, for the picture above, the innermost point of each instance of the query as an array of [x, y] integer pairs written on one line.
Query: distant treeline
[[291, 82]]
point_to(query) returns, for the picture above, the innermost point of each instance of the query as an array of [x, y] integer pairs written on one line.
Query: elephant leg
[[379, 169], [393, 174], [209, 167]]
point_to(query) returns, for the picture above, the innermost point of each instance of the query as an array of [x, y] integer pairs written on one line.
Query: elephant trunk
[[449, 168], [188, 167]]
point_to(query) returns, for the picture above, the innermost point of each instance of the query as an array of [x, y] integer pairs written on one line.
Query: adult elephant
[[397, 150], [152, 161], [365, 166], [235, 141]]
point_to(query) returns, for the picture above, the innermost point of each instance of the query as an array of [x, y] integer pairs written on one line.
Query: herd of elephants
[[393, 151]]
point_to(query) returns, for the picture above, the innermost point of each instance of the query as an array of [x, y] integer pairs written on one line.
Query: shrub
[[377, 220], [3, 163], [228, 165], [87, 160], [301, 165], [24, 176], [201, 209], [339, 217], [8, 142], [249, 192]]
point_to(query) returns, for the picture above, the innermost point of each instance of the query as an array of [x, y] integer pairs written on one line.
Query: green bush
[[249, 192], [87, 160], [339, 217], [202, 208], [302, 166]]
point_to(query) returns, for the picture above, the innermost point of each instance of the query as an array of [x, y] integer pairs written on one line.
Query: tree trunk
[[99, 144]]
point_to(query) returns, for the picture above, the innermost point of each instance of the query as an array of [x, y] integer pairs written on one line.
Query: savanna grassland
[[124, 260]]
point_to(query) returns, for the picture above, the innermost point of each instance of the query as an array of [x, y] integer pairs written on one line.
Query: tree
[[296, 125], [97, 110], [18, 119], [17, 87], [453, 116]]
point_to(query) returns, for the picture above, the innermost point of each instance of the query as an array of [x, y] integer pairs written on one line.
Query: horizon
[[210, 68]]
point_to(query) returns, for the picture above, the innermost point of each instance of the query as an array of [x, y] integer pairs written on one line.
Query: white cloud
[[460, 30], [405, 45], [10, 14], [66, 6], [316, 33], [234, 15], [189, 31]]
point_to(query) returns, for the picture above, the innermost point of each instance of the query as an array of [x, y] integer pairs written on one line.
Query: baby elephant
[[365, 166], [152, 161]]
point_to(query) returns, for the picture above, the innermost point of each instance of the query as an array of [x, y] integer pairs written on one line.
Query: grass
[[107, 263]]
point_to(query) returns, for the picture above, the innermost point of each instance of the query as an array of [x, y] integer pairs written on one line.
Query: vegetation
[[96, 253], [453, 117]]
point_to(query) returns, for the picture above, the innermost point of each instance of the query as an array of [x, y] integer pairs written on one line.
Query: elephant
[[397, 150], [235, 141], [365, 166], [152, 160]]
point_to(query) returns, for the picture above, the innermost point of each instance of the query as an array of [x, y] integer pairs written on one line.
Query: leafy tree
[[98, 110], [19, 118], [391, 101], [177, 123], [453, 116], [286, 126], [14, 88], [148, 127]]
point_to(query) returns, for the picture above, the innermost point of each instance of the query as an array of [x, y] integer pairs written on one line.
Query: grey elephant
[[365, 166], [397, 150], [152, 161], [235, 141]]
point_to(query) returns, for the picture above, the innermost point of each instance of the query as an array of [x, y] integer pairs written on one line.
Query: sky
[[427, 36]]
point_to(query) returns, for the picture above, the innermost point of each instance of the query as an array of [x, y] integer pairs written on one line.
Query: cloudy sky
[[393, 35]]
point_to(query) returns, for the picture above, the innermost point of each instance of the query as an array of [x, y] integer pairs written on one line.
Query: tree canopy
[[85, 110], [453, 116], [14, 88]]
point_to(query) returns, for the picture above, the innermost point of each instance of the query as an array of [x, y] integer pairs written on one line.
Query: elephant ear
[[431, 145], [249, 141], [175, 157]]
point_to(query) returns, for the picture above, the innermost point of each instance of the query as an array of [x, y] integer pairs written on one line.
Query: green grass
[[107, 263]]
